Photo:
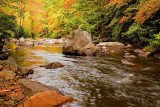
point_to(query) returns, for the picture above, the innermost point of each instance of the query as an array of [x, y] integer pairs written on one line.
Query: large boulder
[[46, 99], [80, 43], [8, 75]]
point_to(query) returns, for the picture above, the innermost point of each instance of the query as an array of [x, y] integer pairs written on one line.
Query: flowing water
[[94, 81]]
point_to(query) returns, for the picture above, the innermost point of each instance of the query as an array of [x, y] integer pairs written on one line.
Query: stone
[[112, 45], [59, 41], [157, 56], [46, 99], [24, 71], [149, 69], [3, 56], [144, 54], [80, 44], [137, 50], [126, 62], [18, 77], [129, 56], [33, 87], [8, 74], [53, 65], [129, 46]]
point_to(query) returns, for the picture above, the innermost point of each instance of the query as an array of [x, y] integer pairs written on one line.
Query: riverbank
[[15, 90]]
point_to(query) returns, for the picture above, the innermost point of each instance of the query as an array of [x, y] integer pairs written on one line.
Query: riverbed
[[101, 81]]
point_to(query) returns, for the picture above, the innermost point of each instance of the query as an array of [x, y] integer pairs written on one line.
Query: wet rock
[[8, 75], [46, 99], [149, 69], [18, 77], [126, 62], [157, 56], [112, 45], [80, 44], [24, 71], [53, 65], [126, 56], [33, 87], [144, 54], [137, 50]]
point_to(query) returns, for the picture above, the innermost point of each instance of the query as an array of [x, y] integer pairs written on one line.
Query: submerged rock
[[80, 43], [127, 56], [126, 62], [46, 99], [53, 65], [144, 54], [157, 56]]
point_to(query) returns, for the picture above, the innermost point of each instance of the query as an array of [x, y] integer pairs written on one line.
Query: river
[[94, 81]]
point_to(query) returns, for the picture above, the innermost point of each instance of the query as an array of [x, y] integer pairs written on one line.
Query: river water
[[94, 81]]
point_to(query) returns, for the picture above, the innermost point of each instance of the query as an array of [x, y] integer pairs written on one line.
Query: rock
[[126, 62], [59, 41], [112, 45], [129, 46], [37, 43], [24, 71], [157, 56], [137, 50], [33, 87], [53, 65], [46, 99], [18, 77], [8, 75], [149, 69], [3, 56], [144, 54], [80, 43], [129, 56]]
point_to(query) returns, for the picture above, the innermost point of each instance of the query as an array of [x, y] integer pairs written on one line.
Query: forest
[[133, 22], [79, 53]]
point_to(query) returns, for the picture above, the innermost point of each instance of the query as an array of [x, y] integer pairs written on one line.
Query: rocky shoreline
[[15, 90]]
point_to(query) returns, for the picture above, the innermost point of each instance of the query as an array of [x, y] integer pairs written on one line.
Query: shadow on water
[[95, 81]]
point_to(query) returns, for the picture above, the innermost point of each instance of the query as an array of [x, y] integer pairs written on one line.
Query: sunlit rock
[[46, 99], [80, 43]]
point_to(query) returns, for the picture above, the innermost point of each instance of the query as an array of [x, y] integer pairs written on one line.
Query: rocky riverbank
[[15, 90]]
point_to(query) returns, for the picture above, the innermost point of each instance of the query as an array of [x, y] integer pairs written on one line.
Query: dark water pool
[[95, 81]]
